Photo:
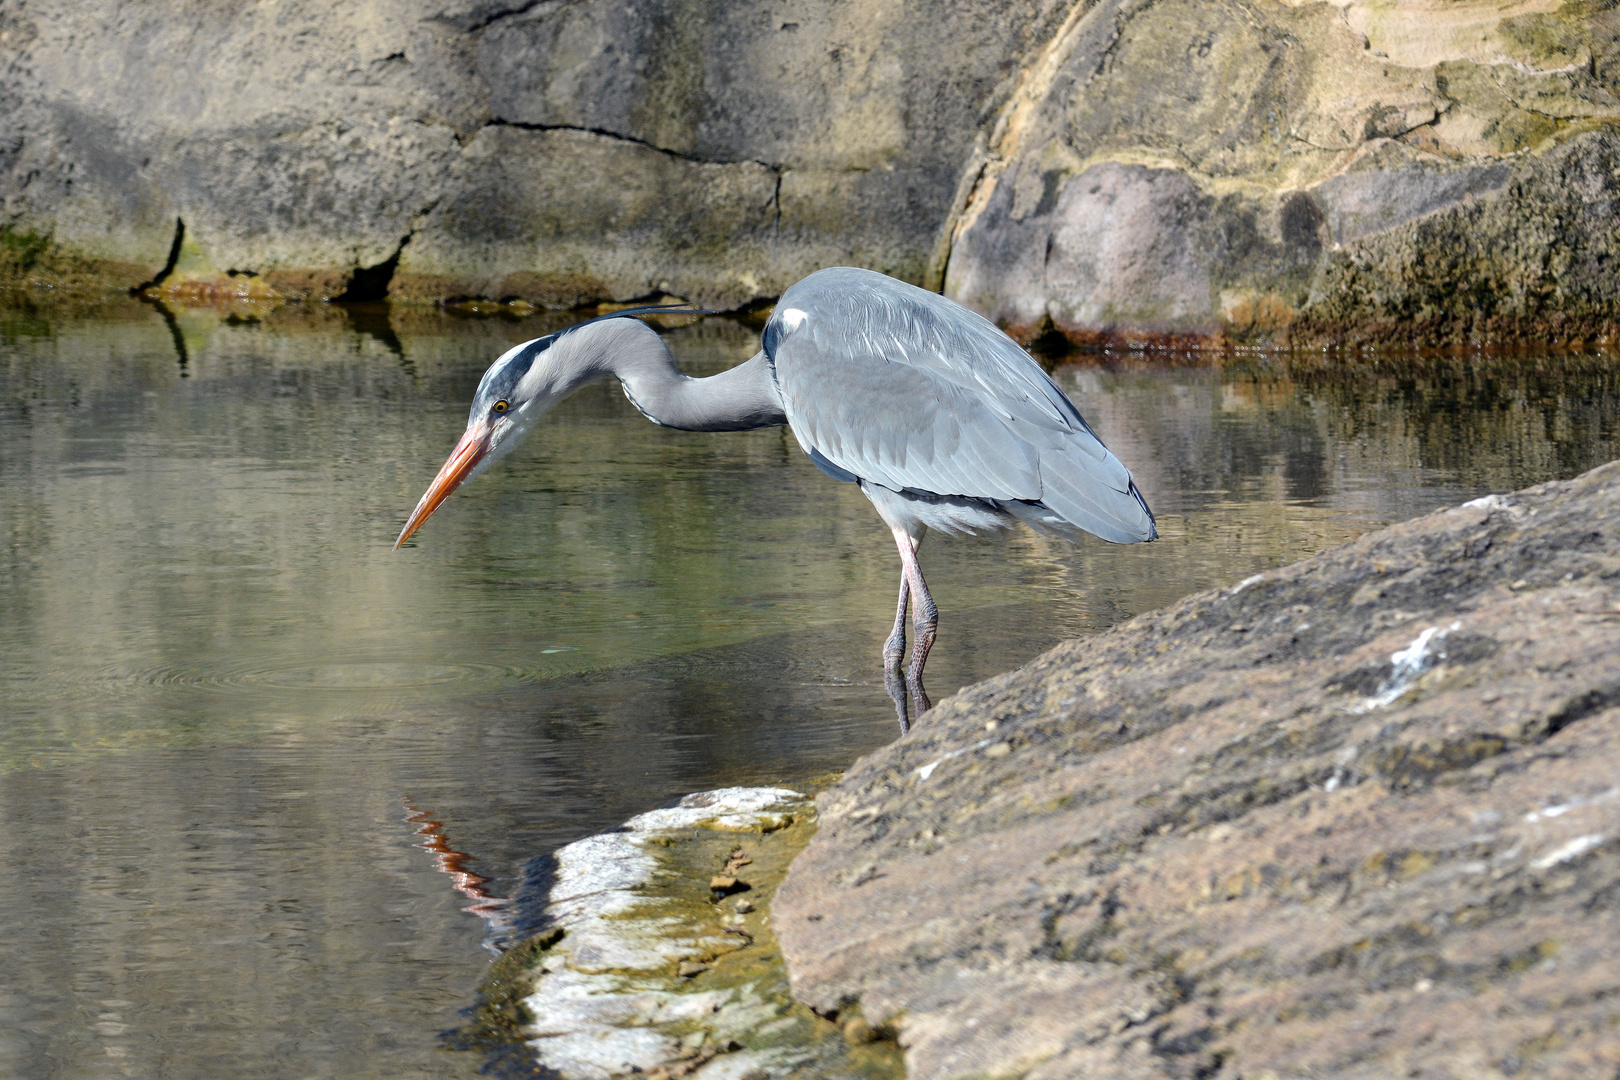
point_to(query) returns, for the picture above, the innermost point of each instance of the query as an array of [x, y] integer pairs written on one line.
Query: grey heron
[[943, 421]]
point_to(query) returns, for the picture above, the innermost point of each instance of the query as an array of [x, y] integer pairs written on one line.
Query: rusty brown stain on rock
[[1377, 833]]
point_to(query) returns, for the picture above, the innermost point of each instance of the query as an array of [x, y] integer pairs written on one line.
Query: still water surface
[[242, 741]]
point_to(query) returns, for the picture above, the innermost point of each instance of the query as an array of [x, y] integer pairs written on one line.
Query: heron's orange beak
[[469, 452]]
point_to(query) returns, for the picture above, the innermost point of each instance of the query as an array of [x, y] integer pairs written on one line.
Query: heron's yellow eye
[[500, 406]]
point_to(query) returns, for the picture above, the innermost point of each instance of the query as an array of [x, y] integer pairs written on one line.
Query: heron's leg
[[895, 648], [925, 617]]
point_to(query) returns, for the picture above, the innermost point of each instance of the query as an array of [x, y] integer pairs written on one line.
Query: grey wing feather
[[903, 388]]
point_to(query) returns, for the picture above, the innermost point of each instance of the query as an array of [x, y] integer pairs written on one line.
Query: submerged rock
[[640, 969], [1356, 817]]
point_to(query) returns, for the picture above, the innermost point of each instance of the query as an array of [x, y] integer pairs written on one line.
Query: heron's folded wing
[[849, 311], [902, 428]]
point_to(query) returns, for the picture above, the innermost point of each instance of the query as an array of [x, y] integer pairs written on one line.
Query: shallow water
[[246, 749]]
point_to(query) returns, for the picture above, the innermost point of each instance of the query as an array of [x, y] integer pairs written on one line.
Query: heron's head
[[518, 389], [512, 396]]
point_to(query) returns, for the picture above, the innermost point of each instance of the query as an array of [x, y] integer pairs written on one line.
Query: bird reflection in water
[[469, 883]]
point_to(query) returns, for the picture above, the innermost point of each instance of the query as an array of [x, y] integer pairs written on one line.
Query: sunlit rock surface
[[554, 152], [1356, 817], [1118, 170], [1276, 171], [657, 954]]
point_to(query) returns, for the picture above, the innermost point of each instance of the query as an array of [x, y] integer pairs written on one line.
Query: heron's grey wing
[[904, 388], [901, 427]]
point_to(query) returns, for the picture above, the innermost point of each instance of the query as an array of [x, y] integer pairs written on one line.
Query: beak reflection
[[472, 448]]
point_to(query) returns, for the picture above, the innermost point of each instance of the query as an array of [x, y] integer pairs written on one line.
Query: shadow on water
[[372, 319], [182, 358], [276, 779]]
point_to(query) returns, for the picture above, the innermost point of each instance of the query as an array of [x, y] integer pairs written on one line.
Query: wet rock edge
[[661, 931]]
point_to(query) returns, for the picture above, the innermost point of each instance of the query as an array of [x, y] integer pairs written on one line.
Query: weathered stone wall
[[560, 152], [1253, 171], [1358, 817]]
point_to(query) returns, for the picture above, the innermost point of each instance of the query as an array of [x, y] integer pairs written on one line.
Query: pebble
[[725, 884], [857, 1032], [690, 968], [744, 907]]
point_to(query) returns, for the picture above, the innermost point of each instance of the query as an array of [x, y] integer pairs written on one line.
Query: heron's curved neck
[[739, 399]]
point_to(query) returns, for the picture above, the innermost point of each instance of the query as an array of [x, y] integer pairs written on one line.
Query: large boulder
[[1357, 817], [1282, 171]]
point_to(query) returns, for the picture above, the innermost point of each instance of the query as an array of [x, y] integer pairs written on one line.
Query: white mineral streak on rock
[[1574, 849], [1409, 664], [1488, 502], [1253, 579], [609, 984], [924, 772], [1560, 809]]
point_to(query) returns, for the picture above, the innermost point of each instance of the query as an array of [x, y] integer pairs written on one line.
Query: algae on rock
[[657, 954]]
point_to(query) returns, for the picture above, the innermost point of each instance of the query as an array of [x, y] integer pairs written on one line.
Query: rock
[[609, 986], [743, 907], [725, 886], [1122, 170], [1376, 834], [857, 1032], [1282, 172], [557, 153]]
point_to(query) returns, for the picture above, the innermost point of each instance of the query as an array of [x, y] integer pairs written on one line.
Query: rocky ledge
[[1358, 817], [653, 954]]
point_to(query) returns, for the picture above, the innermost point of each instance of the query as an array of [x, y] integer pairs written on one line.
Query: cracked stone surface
[[558, 153], [1117, 170], [1288, 172], [1358, 817]]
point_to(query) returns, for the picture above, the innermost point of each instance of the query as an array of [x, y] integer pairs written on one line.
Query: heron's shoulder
[[855, 326], [843, 290], [852, 315], [846, 308]]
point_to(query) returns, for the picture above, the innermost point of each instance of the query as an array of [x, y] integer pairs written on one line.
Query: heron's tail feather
[[1081, 500]]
